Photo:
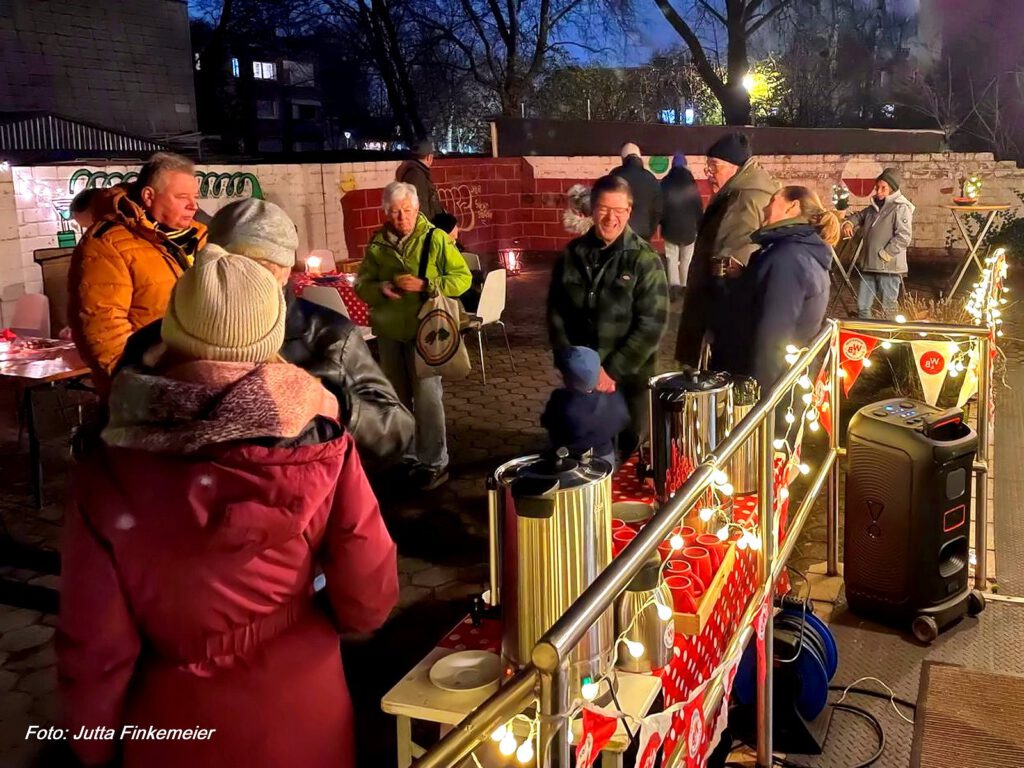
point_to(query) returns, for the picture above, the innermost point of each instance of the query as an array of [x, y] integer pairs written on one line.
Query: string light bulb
[[886, 345], [813, 426], [723, 533], [900, 319], [807, 398], [635, 648], [508, 745], [499, 733], [676, 542], [706, 513], [727, 489], [525, 752], [805, 469], [790, 418], [718, 477], [804, 381], [867, 362], [664, 612], [784, 493], [778, 444], [588, 690]]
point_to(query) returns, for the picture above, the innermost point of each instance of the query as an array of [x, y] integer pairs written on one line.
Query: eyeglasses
[[602, 210]]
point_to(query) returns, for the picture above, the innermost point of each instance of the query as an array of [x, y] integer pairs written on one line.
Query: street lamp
[[748, 82]]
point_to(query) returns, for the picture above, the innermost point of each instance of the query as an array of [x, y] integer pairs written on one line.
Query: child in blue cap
[[577, 416]]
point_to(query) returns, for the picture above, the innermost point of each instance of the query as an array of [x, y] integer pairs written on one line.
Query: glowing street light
[[748, 82]]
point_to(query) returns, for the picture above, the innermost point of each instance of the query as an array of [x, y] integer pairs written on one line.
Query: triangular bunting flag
[[693, 727], [970, 385], [761, 626], [652, 737], [597, 732], [854, 349], [823, 395], [932, 361]]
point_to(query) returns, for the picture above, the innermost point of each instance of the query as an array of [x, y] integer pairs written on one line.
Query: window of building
[[266, 109], [299, 73], [304, 111], [264, 70], [235, 70]]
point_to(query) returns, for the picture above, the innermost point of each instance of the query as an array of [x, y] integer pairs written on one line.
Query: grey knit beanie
[[257, 229]]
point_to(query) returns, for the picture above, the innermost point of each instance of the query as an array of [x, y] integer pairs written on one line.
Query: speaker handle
[[941, 419]]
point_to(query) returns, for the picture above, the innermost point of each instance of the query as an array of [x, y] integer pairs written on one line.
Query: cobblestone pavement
[[441, 535]]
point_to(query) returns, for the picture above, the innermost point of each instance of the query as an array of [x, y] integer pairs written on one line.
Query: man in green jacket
[[389, 282], [609, 292]]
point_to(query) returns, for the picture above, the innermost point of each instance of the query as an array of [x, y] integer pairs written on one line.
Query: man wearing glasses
[[741, 189], [609, 292]]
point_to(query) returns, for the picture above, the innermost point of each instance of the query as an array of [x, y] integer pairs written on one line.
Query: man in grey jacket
[[886, 229]]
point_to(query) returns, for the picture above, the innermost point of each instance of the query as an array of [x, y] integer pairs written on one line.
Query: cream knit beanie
[[227, 308]]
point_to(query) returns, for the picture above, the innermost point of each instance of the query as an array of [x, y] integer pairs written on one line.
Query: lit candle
[[313, 264]]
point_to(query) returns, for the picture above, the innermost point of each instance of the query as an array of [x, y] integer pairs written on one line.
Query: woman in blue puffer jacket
[[787, 280]]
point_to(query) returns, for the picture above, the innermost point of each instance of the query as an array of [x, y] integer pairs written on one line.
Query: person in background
[[579, 417], [577, 218], [786, 280], [82, 208], [680, 217], [416, 171], [609, 293], [741, 189], [886, 227], [646, 192], [220, 484], [389, 282], [317, 339], [448, 224], [123, 269]]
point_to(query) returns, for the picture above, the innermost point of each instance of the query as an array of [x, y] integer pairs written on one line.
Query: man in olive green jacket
[[742, 188], [389, 282]]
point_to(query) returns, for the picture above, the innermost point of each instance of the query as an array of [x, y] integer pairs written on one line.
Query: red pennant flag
[[762, 626], [597, 732], [854, 349], [693, 722], [823, 396], [653, 730]]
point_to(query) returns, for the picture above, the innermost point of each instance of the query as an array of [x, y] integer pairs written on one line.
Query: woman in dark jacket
[[787, 279], [222, 483], [680, 216]]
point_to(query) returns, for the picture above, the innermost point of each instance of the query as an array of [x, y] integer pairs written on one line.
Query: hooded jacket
[[417, 173], [787, 285], [886, 233], [731, 217], [681, 207], [120, 279], [387, 257], [192, 539], [646, 196]]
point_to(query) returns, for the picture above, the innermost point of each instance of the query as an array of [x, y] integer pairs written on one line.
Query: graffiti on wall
[[211, 184], [463, 201]]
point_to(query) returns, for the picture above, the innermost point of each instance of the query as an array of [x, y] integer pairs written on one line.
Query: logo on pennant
[[932, 362], [854, 349]]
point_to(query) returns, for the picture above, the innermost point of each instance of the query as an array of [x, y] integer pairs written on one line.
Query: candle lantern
[[313, 264], [511, 259]]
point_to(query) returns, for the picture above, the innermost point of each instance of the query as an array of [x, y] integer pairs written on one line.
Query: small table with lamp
[[959, 213]]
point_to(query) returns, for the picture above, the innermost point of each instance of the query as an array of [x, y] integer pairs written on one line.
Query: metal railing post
[[554, 727], [766, 519], [832, 500], [981, 475]]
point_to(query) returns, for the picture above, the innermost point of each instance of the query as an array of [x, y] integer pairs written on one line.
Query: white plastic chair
[[472, 261], [32, 316], [326, 256], [330, 298], [488, 312]]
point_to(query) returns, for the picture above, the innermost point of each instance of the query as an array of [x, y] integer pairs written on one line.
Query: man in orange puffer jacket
[[123, 270]]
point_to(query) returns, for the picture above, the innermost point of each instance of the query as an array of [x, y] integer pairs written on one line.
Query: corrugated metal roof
[[45, 133]]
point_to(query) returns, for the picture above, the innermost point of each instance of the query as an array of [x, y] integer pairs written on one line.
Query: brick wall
[[499, 202], [119, 64]]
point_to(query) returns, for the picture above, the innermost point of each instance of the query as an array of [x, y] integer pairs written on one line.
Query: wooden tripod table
[[960, 212]]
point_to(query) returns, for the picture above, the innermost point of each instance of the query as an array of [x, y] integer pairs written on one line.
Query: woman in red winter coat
[[221, 483]]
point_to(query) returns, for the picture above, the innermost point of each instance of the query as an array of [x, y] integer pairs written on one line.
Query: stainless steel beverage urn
[[636, 617], [550, 538], [691, 414], [742, 468]]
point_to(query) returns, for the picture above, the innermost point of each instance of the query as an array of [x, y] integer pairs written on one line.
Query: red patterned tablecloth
[[358, 310]]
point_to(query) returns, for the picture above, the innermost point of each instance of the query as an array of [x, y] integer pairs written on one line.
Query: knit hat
[[678, 160], [227, 308], [891, 176], [423, 147], [733, 148], [580, 367], [629, 149], [257, 229]]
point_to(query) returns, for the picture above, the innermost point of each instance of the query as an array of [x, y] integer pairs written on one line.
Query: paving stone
[[26, 637], [8, 679], [16, 618], [434, 576], [412, 596], [32, 660], [40, 682], [14, 702]]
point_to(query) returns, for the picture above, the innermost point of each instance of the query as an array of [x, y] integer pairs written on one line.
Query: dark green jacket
[[613, 300]]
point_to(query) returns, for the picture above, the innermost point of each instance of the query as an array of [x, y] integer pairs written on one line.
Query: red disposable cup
[[678, 567], [698, 586], [664, 551], [621, 538], [700, 561], [714, 546], [683, 598], [689, 535]]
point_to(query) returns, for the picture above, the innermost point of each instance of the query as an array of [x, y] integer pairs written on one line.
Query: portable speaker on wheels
[[908, 516]]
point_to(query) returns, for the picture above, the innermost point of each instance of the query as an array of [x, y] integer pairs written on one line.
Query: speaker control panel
[[905, 413]]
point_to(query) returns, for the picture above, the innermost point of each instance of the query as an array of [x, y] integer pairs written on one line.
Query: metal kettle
[[550, 522], [637, 619]]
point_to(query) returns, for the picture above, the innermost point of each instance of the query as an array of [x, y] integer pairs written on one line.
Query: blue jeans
[[424, 397], [881, 285]]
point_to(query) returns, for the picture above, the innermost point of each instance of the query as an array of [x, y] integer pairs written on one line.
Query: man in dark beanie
[[416, 171], [646, 191], [887, 227], [741, 189]]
